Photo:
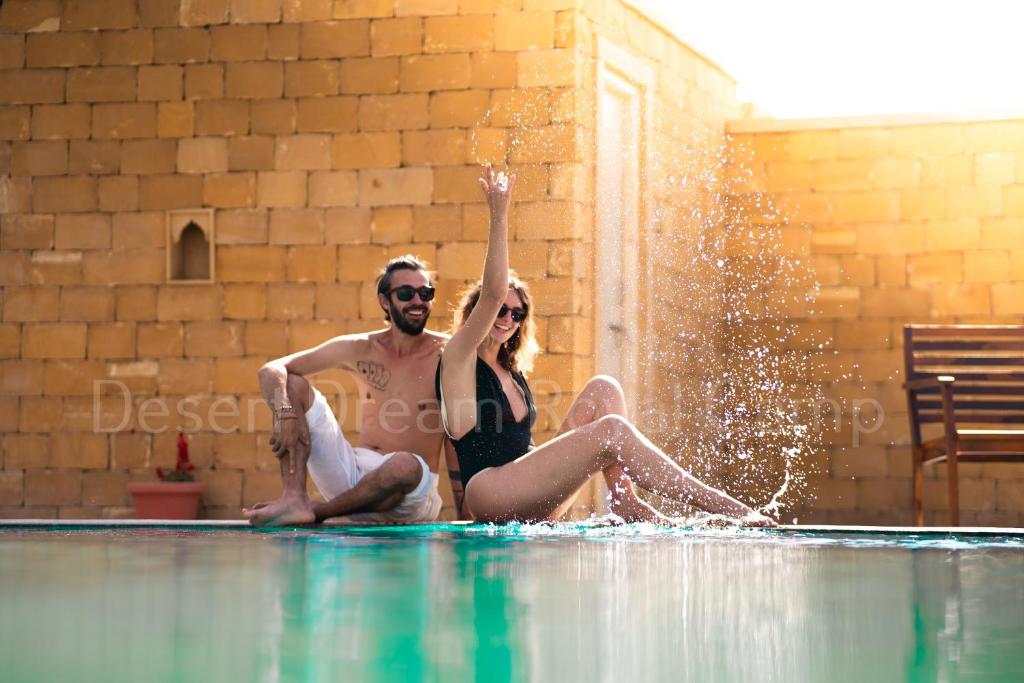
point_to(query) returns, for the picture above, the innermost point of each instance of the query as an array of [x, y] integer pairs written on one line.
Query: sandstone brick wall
[[327, 136], [897, 223]]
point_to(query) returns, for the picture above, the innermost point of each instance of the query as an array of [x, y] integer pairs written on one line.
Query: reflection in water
[[463, 606]]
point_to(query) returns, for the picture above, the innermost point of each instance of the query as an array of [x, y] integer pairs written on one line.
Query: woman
[[488, 412]]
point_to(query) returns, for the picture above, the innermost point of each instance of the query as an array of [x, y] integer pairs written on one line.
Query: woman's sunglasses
[[407, 292], [518, 314]]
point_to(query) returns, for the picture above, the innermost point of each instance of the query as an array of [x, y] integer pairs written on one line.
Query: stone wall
[[897, 222]]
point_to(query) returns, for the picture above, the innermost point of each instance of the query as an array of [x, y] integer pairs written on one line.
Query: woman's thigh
[[533, 487]]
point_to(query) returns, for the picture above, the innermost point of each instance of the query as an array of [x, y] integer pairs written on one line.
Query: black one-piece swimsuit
[[497, 439]]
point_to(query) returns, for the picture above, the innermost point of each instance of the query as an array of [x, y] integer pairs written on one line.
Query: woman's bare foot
[[288, 510]]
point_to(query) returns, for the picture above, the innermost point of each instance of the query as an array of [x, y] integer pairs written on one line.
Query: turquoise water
[[515, 603]]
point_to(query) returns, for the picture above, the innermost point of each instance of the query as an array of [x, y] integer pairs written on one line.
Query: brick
[[123, 121], [925, 139], [135, 303], [238, 43], [995, 168], [139, 230], [425, 7], [72, 377], [930, 202], [464, 109], [521, 107], [158, 83], [1007, 299], [53, 340], [204, 12], [458, 34], [160, 192], [181, 45], [30, 15], [555, 67], [277, 189], [255, 11], [940, 171], [495, 70], [26, 232], [83, 231], [395, 37], [254, 80], [393, 112], [62, 48], [175, 120], [188, 302], [360, 262], [290, 302], [391, 225], [39, 158], [326, 115], [64, 194], [436, 223], [524, 30], [32, 86], [148, 156], [333, 188], [347, 226], [865, 206], [118, 193], [969, 202], [12, 487], [213, 339], [245, 302], [87, 303], [355, 9], [312, 78], [15, 123], [204, 81], [863, 143], [543, 220], [202, 155], [1001, 233], [243, 226], [161, 340], [56, 267], [251, 264], [105, 488], [17, 193], [896, 302], [124, 266], [457, 184], [222, 117], [52, 487], [545, 144], [236, 375], [126, 47], [229, 190], [12, 51], [434, 147], [952, 235], [272, 117], [254, 153], [303, 152], [422, 73], [994, 136], [395, 186], [296, 226], [85, 14], [892, 173], [283, 42], [113, 340], [366, 150], [159, 13], [21, 378], [306, 10], [961, 299], [332, 39], [312, 264], [369, 75]]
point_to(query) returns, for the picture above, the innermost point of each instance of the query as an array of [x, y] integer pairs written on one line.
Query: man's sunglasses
[[407, 292], [518, 314]]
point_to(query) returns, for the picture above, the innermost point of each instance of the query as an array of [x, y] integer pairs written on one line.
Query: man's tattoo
[[375, 374]]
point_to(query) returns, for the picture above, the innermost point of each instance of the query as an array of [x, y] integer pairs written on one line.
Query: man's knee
[[300, 393], [401, 473]]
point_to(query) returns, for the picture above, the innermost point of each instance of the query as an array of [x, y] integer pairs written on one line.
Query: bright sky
[[804, 58]]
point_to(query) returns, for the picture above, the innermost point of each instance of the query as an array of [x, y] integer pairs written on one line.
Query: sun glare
[[803, 58]]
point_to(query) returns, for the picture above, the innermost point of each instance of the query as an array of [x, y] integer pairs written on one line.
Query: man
[[390, 476]]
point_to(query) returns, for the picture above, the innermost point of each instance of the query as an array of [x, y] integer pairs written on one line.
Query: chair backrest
[[987, 362]]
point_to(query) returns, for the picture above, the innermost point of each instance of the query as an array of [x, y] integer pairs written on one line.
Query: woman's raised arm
[[458, 361]]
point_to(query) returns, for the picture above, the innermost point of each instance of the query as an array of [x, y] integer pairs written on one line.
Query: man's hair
[[407, 262]]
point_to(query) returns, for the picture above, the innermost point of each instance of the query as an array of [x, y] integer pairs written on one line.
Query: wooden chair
[[970, 379]]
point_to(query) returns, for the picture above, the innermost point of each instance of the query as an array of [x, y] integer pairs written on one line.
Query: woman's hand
[[498, 190]]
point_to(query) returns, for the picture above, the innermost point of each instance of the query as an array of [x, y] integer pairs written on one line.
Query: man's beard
[[410, 327]]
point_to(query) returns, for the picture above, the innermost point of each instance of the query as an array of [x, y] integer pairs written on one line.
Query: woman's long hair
[[516, 354]]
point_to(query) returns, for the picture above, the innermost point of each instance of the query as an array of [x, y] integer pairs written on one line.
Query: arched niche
[[190, 245]]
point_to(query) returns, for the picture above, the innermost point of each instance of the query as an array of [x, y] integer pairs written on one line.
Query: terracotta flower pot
[[166, 499]]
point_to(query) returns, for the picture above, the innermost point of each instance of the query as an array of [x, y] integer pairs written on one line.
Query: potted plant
[[175, 496]]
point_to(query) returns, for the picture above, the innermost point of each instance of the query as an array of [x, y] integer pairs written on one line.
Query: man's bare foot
[[288, 510]]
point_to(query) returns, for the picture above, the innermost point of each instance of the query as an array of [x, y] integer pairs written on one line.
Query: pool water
[[513, 603]]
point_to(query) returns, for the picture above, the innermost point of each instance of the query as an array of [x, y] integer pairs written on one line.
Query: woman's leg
[[534, 486], [601, 396]]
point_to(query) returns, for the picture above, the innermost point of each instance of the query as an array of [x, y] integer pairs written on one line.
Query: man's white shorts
[[336, 466]]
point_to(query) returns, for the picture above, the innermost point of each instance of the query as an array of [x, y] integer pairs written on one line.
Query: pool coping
[[221, 524]]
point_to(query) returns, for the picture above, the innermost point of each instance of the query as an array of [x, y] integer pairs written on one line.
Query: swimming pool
[[474, 602]]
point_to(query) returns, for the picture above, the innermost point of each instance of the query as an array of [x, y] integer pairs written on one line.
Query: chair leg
[[954, 489], [918, 487]]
